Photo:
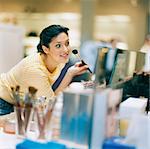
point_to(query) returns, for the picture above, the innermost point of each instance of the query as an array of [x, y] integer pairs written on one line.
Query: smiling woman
[[55, 50], [41, 69]]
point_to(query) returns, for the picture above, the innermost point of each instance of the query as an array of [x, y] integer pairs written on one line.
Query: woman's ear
[[45, 49]]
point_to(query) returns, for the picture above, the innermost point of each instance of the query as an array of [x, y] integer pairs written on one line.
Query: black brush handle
[[147, 106], [83, 63]]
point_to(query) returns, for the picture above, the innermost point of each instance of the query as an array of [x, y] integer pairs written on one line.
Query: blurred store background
[[97, 20], [109, 35]]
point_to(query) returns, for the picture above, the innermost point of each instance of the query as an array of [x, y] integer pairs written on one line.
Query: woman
[[41, 69]]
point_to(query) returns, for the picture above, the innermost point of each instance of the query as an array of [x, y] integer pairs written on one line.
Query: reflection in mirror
[[117, 66], [126, 71]]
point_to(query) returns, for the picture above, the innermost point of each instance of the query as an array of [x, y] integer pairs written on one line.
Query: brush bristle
[[75, 51], [32, 90], [17, 88], [12, 88]]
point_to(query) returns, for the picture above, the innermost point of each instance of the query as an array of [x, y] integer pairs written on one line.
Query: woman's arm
[[74, 70]]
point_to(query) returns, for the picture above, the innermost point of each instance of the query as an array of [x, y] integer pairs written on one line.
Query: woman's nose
[[66, 49]]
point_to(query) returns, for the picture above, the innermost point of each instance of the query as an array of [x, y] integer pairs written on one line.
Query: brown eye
[[67, 43], [58, 45]]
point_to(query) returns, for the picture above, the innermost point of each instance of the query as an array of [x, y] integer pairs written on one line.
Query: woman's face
[[59, 49]]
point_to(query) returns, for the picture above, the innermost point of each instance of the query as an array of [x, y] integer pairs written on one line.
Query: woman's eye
[[58, 45], [67, 43]]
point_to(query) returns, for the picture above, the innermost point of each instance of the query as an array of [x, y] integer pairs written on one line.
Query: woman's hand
[[77, 69], [74, 70]]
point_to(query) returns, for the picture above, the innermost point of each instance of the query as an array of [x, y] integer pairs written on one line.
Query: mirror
[[116, 66], [125, 69]]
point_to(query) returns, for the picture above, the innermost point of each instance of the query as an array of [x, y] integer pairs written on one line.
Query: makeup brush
[[75, 52], [29, 100], [16, 95]]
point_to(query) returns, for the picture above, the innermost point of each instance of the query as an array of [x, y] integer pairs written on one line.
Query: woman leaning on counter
[[41, 69]]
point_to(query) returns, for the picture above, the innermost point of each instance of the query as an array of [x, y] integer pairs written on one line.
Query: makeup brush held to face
[[75, 52]]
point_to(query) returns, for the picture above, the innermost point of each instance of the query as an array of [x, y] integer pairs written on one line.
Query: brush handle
[[83, 63]]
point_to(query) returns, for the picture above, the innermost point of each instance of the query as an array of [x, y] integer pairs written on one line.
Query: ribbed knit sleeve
[[31, 71]]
